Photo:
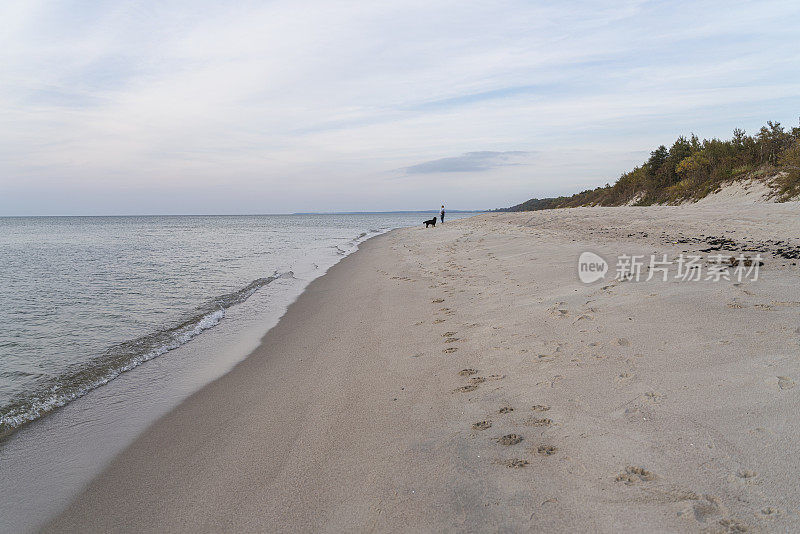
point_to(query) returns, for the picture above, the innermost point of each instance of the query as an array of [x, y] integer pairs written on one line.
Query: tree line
[[691, 169]]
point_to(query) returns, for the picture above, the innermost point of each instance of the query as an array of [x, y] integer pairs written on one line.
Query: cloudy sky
[[283, 106]]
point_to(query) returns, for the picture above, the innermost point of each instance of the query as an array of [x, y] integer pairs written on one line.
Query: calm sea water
[[84, 299]]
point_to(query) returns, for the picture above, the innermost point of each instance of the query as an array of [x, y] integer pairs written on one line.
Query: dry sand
[[463, 378]]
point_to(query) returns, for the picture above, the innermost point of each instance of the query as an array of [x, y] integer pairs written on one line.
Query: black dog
[[430, 221]]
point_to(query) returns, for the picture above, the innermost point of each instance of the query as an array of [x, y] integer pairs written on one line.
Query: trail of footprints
[[511, 439], [514, 448], [471, 382], [704, 509]]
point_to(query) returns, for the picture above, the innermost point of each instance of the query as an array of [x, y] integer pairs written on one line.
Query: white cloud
[[482, 161], [316, 105]]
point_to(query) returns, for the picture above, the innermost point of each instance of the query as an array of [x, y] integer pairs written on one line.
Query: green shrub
[[691, 169]]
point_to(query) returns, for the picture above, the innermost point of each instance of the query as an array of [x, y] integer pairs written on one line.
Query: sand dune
[[463, 378]]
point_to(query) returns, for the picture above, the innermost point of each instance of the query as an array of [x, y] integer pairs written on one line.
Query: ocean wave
[[352, 244], [80, 379]]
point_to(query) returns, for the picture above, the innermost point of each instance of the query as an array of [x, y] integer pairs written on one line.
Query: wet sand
[[463, 378]]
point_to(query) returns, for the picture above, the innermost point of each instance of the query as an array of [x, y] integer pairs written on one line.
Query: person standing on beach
[[441, 213]]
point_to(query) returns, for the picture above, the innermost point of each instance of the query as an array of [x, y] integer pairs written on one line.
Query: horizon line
[[243, 214]]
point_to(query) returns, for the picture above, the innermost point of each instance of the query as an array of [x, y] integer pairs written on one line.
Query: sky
[[173, 107]]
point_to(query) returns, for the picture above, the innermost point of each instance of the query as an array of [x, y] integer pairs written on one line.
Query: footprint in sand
[[553, 381], [623, 377], [654, 397], [540, 407], [451, 340], [634, 475], [537, 421], [436, 301], [760, 432], [731, 526], [450, 350], [546, 450], [770, 513], [703, 508], [745, 474], [509, 439], [449, 334], [477, 380], [466, 389], [467, 372], [623, 342], [784, 382], [482, 425], [437, 321], [516, 463], [506, 409]]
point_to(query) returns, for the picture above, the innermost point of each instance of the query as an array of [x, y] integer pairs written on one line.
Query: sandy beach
[[463, 378]]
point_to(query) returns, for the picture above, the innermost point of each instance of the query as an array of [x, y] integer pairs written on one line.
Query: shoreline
[[355, 412], [129, 461], [150, 344], [47, 462]]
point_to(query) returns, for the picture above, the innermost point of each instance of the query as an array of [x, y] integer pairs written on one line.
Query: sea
[[106, 323]]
